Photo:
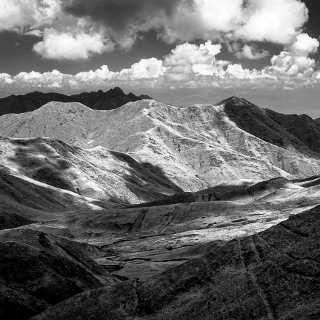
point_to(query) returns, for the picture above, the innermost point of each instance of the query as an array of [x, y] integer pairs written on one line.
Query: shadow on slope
[[271, 275], [144, 178], [271, 127], [221, 193], [38, 270], [42, 163]]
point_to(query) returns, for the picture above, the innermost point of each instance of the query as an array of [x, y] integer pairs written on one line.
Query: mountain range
[[145, 210], [99, 100]]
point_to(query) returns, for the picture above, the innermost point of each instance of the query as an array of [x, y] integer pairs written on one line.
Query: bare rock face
[[37, 270], [195, 147], [270, 275]]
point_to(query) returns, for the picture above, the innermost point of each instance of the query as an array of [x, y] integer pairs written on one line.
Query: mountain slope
[[99, 174], [99, 100], [284, 130], [270, 275], [42, 270], [195, 147]]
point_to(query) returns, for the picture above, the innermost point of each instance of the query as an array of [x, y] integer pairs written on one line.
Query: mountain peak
[[236, 101]]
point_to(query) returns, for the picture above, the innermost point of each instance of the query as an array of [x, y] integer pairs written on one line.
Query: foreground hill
[[99, 100], [195, 147], [270, 275]]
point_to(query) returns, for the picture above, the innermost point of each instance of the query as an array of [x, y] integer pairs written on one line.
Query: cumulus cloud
[[273, 20], [304, 45], [103, 23], [189, 59], [176, 20], [250, 52], [16, 15], [66, 45], [187, 65], [295, 61]]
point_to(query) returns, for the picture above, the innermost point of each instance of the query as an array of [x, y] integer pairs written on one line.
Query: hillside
[[195, 147], [271, 275], [108, 176], [99, 100]]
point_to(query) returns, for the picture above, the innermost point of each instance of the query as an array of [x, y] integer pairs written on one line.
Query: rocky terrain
[[196, 147], [152, 211]]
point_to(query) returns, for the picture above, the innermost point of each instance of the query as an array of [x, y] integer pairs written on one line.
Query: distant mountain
[[195, 147], [99, 100]]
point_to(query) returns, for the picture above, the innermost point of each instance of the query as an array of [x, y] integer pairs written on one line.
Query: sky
[[178, 51]]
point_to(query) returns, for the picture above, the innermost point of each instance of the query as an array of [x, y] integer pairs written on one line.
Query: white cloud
[[276, 21], [144, 69], [20, 14], [67, 45], [304, 45], [251, 53], [191, 60], [188, 65]]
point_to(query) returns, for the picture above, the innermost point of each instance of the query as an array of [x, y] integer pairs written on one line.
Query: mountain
[[99, 100], [195, 147], [152, 211]]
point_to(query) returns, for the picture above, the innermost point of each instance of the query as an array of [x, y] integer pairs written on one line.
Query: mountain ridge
[[195, 146], [98, 100]]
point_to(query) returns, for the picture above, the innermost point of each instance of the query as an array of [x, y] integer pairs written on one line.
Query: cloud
[[121, 14], [67, 45], [188, 60], [144, 69], [277, 21], [304, 45], [251, 52], [186, 66], [95, 26], [16, 15], [295, 61]]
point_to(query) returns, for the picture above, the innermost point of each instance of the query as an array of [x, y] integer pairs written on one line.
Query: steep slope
[[302, 127], [270, 275], [38, 270], [97, 173], [284, 130], [99, 100], [195, 147]]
